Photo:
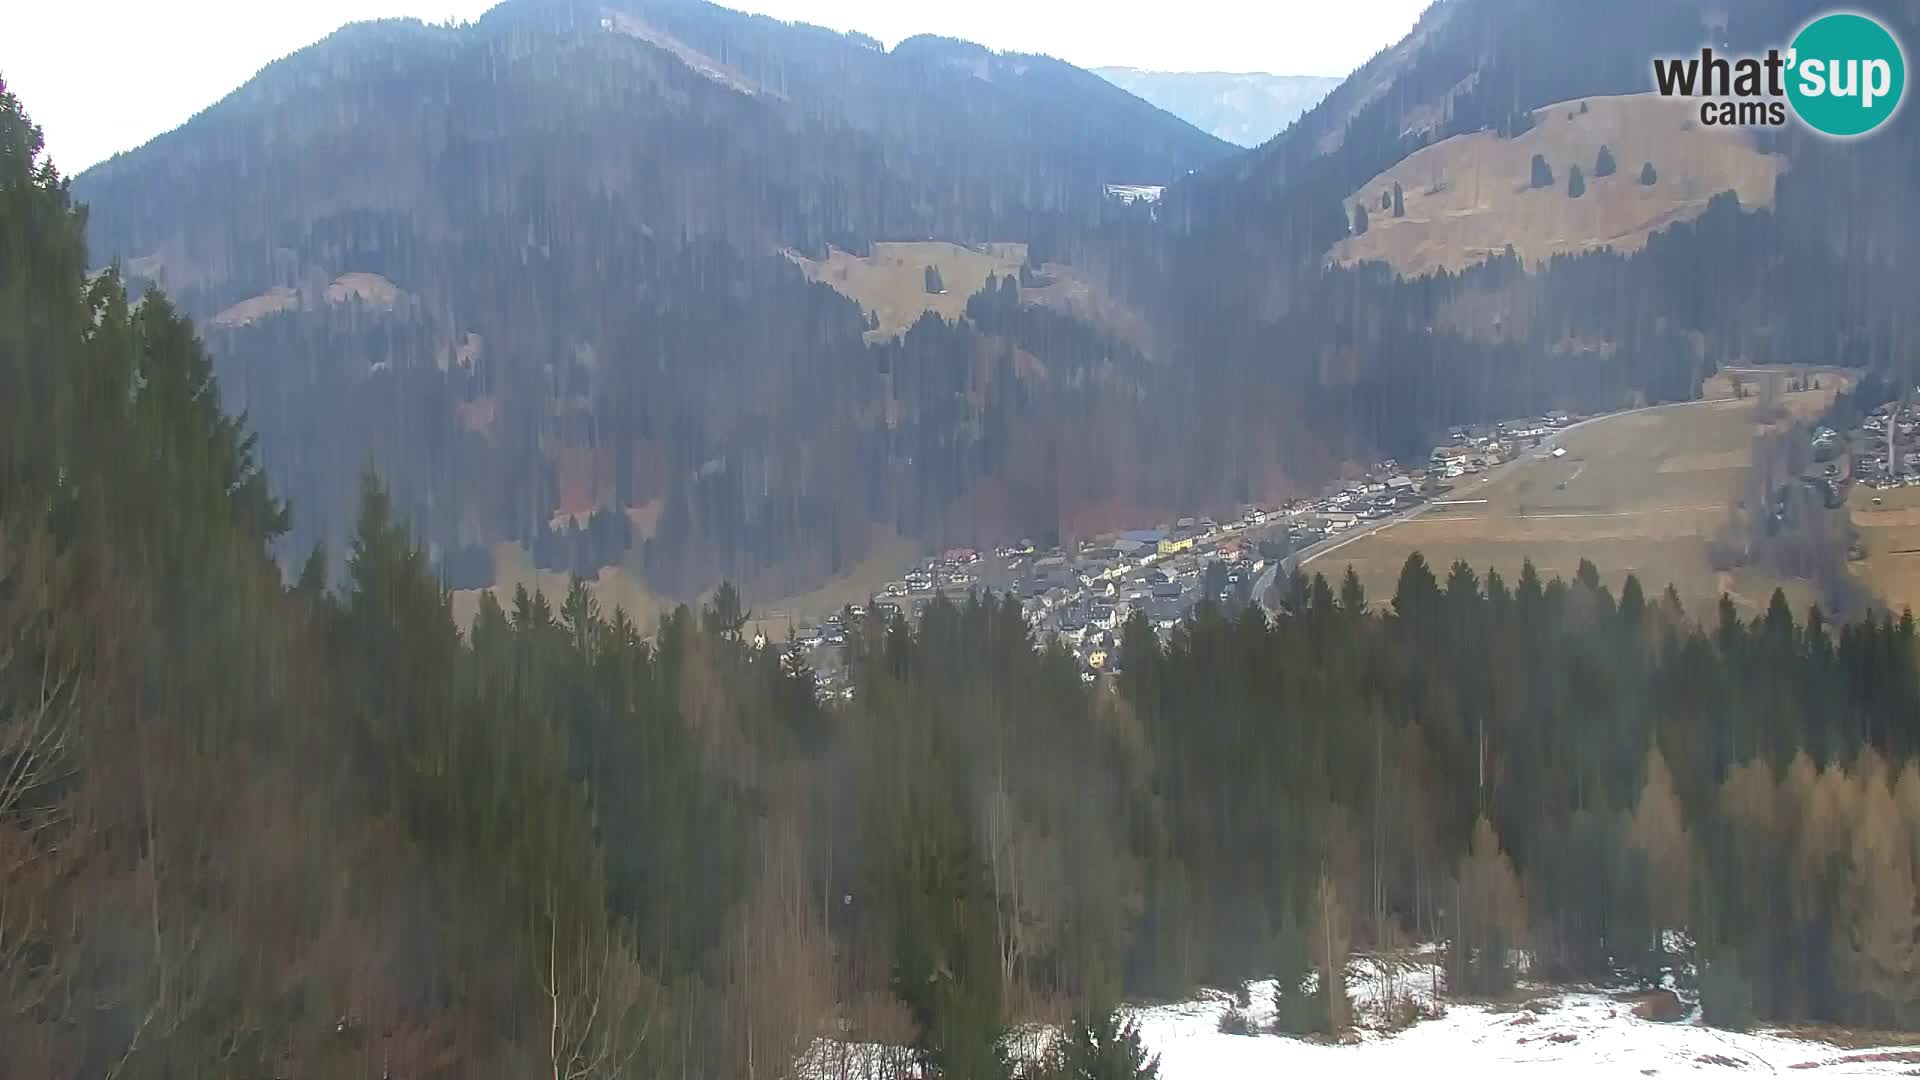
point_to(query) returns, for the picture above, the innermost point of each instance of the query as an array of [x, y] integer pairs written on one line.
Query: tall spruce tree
[[1542, 173]]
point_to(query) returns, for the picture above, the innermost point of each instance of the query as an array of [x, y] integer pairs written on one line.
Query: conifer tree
[[1353, 596], [1576, 183], [312, 581], [1603, 163], [1633, 603], [1416, 600], [1322, 603], [1542, 173], [1098, 1046]]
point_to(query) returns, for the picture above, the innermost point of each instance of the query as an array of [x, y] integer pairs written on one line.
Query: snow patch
[[1570, 1034], [1574, 1034], [830, 1059]]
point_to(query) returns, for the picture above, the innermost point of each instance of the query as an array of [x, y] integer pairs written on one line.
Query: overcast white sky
[[107, 75]]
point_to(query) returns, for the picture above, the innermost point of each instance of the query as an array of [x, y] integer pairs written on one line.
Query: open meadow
[[1643, 492], [891, 282], [1888, 526], [1470, 196]]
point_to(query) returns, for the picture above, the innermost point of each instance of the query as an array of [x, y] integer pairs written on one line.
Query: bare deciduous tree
[[779, 994], [1489, 915], [1879, 943], [1658, 832], [1328, 943], [601, 1005]]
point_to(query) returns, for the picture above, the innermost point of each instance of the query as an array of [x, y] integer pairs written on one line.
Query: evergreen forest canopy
[[249, 827], [594, 345]]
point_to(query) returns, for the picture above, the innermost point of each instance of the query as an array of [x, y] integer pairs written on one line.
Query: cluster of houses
[[1885, 451], [953, 569], [1475, 449], [1388, 488], [1084, 595]]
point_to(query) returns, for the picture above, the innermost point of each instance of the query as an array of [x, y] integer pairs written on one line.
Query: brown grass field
[[891, 283], [1467, 197], [513, 567], [891, 557], [1890, 534], [1640, 493]]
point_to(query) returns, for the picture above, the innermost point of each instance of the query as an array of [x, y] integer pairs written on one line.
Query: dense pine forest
[[259, 826]]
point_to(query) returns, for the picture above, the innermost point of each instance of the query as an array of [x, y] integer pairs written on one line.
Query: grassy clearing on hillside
[[1468, 197], [891, 283], [891, 557], [1641, 493], [512, 567]]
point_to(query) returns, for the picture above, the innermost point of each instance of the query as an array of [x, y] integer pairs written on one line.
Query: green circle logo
[[1846, 74]]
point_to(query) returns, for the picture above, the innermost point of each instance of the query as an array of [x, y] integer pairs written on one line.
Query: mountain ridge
[[1244, 108], [602, 196]]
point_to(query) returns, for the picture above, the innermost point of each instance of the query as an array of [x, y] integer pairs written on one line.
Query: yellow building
[[1171, 546]]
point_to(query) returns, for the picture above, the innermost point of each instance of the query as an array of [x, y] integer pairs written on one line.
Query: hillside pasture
[[614, 587], [891, 282], [1469, 196]]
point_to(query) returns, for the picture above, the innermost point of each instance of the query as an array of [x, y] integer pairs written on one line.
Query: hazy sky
[[107, 75]]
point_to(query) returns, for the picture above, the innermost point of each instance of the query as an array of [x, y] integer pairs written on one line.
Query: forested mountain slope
[[1236, 270], [532, 269], [540, 272]]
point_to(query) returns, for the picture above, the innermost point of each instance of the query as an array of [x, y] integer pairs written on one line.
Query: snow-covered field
[[1569, 1034], [1572, 1034]]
